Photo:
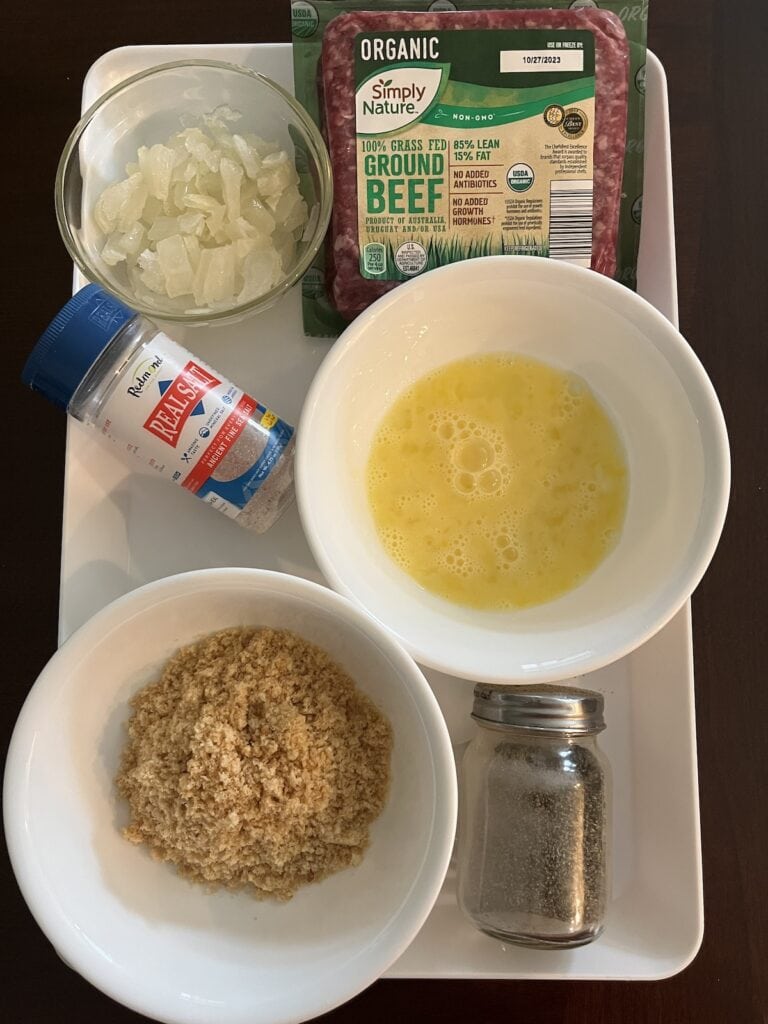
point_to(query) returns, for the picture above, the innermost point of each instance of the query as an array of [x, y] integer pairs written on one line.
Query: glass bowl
[[149, 108]]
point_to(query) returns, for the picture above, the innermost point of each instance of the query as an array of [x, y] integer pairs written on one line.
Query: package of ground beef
[[469, 129]]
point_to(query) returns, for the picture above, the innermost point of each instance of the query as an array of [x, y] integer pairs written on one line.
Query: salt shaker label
[[188, 423]]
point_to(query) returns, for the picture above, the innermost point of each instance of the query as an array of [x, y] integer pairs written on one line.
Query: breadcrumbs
[[255, 762]]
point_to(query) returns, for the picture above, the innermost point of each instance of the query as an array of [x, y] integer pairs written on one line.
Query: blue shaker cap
[[72, 343]]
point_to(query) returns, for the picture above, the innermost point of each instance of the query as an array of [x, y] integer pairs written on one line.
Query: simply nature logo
[[396, 97]]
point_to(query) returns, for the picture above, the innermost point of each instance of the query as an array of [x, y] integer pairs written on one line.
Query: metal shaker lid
[[551, 708]]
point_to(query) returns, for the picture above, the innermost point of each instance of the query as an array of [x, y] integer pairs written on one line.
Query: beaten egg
[[498, 482]]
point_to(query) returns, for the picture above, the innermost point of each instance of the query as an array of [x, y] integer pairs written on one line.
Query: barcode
[[570, 221]]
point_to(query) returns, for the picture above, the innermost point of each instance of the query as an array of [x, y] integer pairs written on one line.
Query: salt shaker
[[533, 820], [115, 371]]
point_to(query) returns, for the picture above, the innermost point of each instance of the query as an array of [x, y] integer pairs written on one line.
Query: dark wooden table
[[714, 53]]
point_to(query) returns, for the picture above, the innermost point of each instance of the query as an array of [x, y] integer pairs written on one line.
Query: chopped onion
[[156, 167], [210, 216], [175, 266], [120, 246], [248, 157], [231, 179]]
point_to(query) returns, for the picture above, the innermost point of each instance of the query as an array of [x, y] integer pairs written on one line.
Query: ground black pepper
[[533, 846]]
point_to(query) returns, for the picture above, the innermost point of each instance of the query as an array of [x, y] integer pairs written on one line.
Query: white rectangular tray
[[122, 529]]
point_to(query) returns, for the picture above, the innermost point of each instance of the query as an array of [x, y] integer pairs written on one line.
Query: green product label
[[473, 143], [567, 117]]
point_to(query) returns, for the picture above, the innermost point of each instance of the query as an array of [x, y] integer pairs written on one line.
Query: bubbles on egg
[[490, 482], [474, 454], [486, 485]]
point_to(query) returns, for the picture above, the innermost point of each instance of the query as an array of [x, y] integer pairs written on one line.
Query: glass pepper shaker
[[533, 821]]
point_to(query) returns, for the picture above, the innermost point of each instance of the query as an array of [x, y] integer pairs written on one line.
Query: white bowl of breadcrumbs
[[230, 798]]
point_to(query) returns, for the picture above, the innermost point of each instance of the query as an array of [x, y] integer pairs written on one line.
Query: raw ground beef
[[352, 292]]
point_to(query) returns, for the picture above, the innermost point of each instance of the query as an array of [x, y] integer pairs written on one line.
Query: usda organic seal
[[304, 19], [520, 177]]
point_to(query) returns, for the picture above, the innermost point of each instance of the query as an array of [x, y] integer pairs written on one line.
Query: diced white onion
[[210, 216], [156, 167]]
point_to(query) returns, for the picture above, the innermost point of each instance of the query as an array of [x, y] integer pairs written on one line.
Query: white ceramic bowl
[[134, 928], [643, 371]]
